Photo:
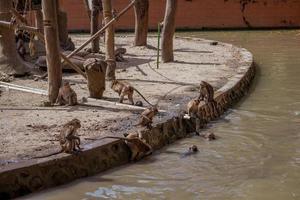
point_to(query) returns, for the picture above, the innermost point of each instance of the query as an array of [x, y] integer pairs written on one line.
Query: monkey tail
[[143, 97]]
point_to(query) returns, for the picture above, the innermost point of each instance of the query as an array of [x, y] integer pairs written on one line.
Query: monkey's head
[[210, 136], [113, 83], [75, 123], [193, 148], [66, 84]]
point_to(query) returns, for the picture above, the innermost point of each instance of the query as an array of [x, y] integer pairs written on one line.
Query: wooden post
[[95, 9], [141, 9], [52, 48], [109, 41], [168, 31]]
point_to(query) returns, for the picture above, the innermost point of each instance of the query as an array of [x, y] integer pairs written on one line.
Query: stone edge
[[35, 175]]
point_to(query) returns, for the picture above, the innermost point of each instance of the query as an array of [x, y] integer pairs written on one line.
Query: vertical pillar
[[109, 41], [52, 48], [95, 24]]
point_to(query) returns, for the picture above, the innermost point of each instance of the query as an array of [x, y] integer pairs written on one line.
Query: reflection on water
[[257, 155]]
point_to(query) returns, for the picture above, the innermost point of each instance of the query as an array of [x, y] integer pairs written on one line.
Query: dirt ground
[[29, 129]]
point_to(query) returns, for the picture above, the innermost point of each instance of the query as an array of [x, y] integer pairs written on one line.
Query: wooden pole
[[109, 41], [52, 48], [101, 30], [141, 10], [95, 9], [168, 31], [39, 20]]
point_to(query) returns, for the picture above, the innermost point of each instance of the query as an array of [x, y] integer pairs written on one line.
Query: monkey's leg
[[122, 95], [130, 98]]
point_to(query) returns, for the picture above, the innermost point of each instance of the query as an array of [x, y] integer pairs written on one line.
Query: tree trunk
[[10, 61], [109, 41], [95, 9], [52, 48], [141, 10], [65, 41], [168, 31]]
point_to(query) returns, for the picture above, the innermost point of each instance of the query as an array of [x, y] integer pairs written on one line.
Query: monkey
[[146, 118], [192, 108], [69, 142], [192, 150], [66, 95], [138, 147], [119, 52], [20, 44], [125, 89], [206, 92], [209, 136]]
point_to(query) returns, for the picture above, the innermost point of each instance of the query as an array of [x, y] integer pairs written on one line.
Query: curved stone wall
[[35, 175]]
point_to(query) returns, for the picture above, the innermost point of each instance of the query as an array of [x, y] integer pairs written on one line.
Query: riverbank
[[226, 67]]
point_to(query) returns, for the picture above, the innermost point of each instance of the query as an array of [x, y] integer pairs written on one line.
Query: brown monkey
[[138, 147], [209, 136], [68, 140], [192, 107], [125, 89], [119, 52], [147, 115], [20, 44], [66, 95], [206, 92]]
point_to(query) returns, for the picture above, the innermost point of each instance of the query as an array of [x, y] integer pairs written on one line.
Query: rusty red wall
[[202, 13]]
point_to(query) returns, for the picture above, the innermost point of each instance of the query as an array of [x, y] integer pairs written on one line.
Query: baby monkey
[[68, 140], [66, 95], [206, 92], [125, 89], [146, 118]]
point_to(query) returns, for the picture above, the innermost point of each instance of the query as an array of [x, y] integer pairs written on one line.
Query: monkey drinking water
[[125, 89], [66, 95], [138, 147], [68, 140]]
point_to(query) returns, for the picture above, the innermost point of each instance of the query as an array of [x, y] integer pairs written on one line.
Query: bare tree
[[109, 41], [168, 31], [10, 61], [141, 11]]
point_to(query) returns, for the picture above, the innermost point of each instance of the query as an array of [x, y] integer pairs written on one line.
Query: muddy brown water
[[256, 156]]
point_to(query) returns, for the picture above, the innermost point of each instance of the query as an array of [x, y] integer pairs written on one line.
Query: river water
[[256, 156]]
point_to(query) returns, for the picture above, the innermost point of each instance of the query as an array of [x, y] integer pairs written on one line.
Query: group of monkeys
[[70, 142]]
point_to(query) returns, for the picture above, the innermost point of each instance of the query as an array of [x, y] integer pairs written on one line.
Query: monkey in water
[[66, 95], [206, 92], [68, 140], [125, 89], [146, 118], [209, 136], [192, 150], [138, 147]]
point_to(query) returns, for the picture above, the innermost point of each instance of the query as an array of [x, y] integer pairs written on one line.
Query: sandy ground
[[28, 129]]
